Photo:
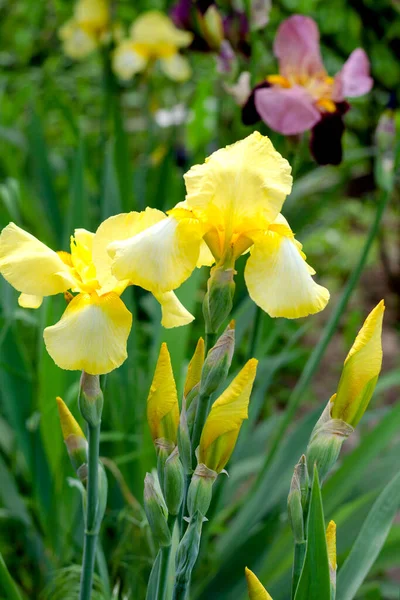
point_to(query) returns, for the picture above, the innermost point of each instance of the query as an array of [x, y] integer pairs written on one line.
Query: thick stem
[[91, 528], [164, 564], [298, 561]]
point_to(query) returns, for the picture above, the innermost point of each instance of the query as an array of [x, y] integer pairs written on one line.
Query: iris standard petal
[[174, 314], [241, 187], [30, 266], [354, 78], [91, 334], [117, 228], [288, 110], [160, 258], [279, 279], [297, 48], [176, 67]]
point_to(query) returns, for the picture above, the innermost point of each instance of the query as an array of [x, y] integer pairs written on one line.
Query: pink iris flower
[[303, 96]]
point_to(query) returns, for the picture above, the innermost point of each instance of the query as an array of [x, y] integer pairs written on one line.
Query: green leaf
[[153, 579], [7, 583], [369, 541], [314, 583]]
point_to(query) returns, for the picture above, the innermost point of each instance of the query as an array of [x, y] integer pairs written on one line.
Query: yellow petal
[[279, 279], [160, 258], [77, 42], [176, 67], [206, 259], [255, 588], [29, 301], [195, 366], [174, 314], [69, 425], [31, 267], [361, 370], [156, 36], [223, 424], [116, 228], [162, 402], [91, 335], [239, 188], [126, 62], [331, 543]]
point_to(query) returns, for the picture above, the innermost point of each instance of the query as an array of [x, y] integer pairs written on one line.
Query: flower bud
[[331, 544], [361, 370], [174, 482], [162, 402], [91, 399], [194, 369], [297, 499], [218, 300], [200, 490], [255, 588], [74, 439], [156, 512], [186, 554], [164, 448], [212, 27], [218, 362], [326, 441], [223, 424], [184, 444]]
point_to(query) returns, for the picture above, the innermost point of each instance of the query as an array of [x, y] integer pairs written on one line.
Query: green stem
[[330, 328], [211, 338], [298, 561], [7, 583], [91, 527], [164, 564]]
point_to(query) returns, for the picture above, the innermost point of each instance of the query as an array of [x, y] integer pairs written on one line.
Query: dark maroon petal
[[250, 115], [326, 136]]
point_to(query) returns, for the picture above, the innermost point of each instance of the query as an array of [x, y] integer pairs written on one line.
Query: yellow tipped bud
[[255, 588], [69, 425], [331, 543], [194, 369], [223, 424], [162, 402], [361, 370]]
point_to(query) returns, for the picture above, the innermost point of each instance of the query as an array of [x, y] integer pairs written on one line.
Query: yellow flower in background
[[93, 331], [162, 402], [225, 419], [153, 37], [255, 588], [87, 29], [361, 370], [232, 206]]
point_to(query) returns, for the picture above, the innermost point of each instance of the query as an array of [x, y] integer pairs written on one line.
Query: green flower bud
[[156, 512], [91, 399], [185, 449], [164, 448], [174, 482], [218, 362], [325, 442], [200, 490], [297, 499], [218, 300], [186, 554]]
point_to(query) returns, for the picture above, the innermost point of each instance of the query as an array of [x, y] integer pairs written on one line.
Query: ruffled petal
[[160, 258], [354, 78], [297, 49], [126, 62], [29, 301], [176, 67], [288, 110], [30, 266], [279, 279], [117, 228], [241, 187], [91, 335], [174, 314]]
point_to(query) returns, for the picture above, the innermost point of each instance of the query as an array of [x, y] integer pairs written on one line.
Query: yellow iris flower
[[232, 206], [87, 29], [92, 333], [153, 37], [225, 419], [361, 370], [255, 588]]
